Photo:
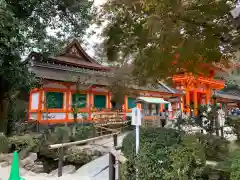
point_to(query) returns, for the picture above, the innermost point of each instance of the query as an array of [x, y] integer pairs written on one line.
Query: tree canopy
[[161, 37], [26, 25], [36, 18]]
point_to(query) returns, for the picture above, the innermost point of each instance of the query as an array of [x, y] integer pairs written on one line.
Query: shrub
[[155, 145], [17, 114], [164, 154], [235, 167], [231, 165], [186, 161], [215, 147], [83, 132], [234, 122], [61, 134], [77, 156], [159, 137], [25, 144], [4, 147], [214, 173]]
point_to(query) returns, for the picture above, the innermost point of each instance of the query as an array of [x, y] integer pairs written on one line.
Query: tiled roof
[[77, 62], [74, 55], [69, 74], [226, 95], [171, 89]]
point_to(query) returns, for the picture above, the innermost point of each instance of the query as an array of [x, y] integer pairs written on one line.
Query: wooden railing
[[107, 125], [106, 118], [105, 121]]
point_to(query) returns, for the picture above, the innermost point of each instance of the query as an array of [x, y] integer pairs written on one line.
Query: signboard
[[136, 117], [137, 121], [235, 12]]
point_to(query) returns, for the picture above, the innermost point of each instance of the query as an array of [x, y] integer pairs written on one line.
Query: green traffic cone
[[14, 174]]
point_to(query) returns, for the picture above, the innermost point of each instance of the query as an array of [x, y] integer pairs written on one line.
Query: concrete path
[[96, 170], [108, 142], [4, 175]]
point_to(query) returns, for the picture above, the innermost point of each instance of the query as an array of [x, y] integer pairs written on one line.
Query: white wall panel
[[35, 100], [52, 116], [80, 115]]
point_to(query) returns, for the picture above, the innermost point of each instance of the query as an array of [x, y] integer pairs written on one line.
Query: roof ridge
[[80, 48]]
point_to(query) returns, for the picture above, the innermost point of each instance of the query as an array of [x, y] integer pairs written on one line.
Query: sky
[[93, 39], [89, 41]]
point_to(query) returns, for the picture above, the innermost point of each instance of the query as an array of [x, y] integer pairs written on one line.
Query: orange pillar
[[187, 102], [40, 105], [67, 103], [181, 105], [125, 107], [109, 100], [90, 104], [139, 105], [195, 101], [208, 95], [161, 107]]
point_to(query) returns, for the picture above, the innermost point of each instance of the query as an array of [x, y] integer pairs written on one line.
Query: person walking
[[163, 118]]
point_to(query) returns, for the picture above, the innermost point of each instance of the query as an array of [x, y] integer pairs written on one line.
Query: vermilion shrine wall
[[39, 111]]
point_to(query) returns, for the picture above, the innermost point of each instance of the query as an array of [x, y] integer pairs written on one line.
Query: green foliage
[[155, 145], [231, 165], [186, 161], [155, 33], [234, 122], [207, 118], [78, 157], [215, 147], [67, 18], [25, 144], [83, 132], [4, 147], [169, 154], [24, 26], [62, 134], [17, 113], [235, 166], [214, 173], [160, 137], [164, 154]]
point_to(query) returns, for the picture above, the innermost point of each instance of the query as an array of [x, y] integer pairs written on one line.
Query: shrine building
[[200, 88], [53, 101]]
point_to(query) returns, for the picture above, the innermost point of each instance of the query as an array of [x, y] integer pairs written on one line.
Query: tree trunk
[[4, 115], [74, 129]]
